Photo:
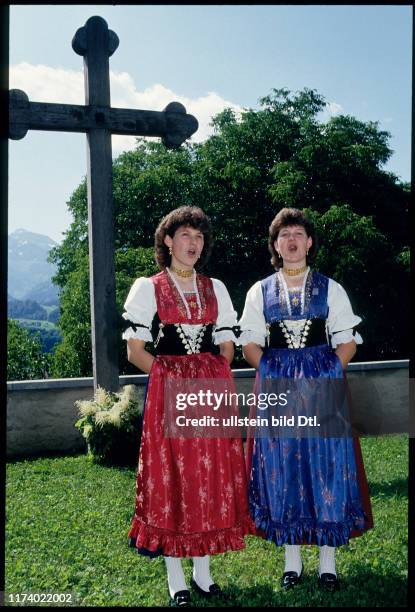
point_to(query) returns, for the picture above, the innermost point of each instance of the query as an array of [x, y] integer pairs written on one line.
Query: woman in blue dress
[[299, 324]]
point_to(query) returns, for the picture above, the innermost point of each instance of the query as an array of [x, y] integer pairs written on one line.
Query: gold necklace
[[181, 273], [294, 271]]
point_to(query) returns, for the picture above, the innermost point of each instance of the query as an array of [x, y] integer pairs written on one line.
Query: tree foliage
[[280, 155], [73, 357], [356, 253], [25, 360]]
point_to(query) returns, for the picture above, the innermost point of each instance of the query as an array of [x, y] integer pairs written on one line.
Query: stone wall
[[41, 414]]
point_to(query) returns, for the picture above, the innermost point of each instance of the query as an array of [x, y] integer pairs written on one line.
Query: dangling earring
[[170, 252], [307, 251]]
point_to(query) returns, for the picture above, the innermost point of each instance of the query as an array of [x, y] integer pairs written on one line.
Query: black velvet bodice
[[316, 334], [170, 342]]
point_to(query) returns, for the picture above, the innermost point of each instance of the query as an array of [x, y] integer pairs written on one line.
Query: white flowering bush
[[111, 424]]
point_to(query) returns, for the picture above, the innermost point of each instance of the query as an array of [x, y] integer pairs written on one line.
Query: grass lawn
[[67, 524]]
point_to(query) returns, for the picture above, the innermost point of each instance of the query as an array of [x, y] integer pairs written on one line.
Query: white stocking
[[201, 572], [327, 560], [175, 575], [293, 561]]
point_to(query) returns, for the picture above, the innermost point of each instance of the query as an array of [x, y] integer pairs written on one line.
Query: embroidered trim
[[170, 307], [202, 299], [181, 300], [281, 289]]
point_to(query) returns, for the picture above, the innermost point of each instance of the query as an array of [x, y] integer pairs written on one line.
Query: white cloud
[[332, 109], [46, 84], [59, 85]]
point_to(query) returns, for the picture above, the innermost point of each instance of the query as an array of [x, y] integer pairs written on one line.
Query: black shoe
[[214, 591], [290, 579], [328, 582], [181, 599]]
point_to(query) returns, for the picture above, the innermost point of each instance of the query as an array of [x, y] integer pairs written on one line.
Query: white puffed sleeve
[[140, 308], [252, 323], [226, 314], [341, 318]]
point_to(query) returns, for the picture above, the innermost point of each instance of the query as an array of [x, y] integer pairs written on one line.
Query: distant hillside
[[25, 309], [29, 272], [45, 293]]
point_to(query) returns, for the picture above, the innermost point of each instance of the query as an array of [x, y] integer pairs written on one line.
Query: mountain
[[29, 272], [44, 293], [25, 309]]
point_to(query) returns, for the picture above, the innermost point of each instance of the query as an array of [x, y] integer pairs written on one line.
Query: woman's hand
[[227, 350], [137, 355], [345, 352], [252, 353]]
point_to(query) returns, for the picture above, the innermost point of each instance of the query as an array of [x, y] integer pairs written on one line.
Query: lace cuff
[[251, 336], [142, 333], [224, 335], [342, 337], [136, 331]]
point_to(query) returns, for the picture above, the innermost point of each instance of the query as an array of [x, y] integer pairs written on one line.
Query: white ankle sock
[[201, 572], [293, 561], [327, 560], [175, 575]]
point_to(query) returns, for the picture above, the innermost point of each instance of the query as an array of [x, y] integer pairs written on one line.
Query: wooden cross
[[96, 43]]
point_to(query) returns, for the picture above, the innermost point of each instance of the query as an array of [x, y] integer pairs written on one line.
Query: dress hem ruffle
[[307, 531], [153, 541]]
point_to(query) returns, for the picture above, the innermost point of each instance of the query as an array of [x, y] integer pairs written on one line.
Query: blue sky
[[208, 57]]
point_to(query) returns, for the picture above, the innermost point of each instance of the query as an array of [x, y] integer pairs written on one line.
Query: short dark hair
[[192, 216], [287, 217]]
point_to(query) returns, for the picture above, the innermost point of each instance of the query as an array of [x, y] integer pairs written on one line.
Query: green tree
[[341, 161], [73, 357], [25, 360], [353, 251], [252, 166]]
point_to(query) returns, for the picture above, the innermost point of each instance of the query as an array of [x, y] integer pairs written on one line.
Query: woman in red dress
[[191, 494]]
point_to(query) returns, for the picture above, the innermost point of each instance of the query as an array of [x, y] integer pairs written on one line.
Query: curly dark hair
[[287, 217], [192, 216]]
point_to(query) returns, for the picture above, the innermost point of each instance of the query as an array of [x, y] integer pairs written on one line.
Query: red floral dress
[[191, 494]]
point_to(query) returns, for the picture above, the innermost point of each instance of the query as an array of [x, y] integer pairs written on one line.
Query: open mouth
[[292, 248], [191, 252]]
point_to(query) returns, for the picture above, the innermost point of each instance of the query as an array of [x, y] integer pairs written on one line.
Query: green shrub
[[111, 424]]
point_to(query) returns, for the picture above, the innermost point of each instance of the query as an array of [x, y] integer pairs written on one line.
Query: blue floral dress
[[303, 490]]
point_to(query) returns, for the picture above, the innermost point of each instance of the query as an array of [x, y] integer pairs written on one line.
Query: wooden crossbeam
[[172, 124], [96, 43]]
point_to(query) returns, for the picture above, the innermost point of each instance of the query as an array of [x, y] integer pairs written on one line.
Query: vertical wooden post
[[96, 44], [411, 440], [4, 147]]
